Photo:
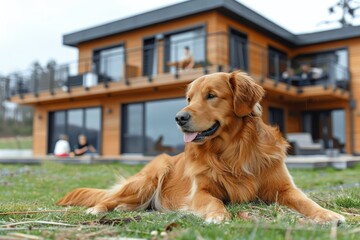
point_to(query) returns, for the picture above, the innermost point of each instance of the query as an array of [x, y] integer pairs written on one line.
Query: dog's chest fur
[[222, 181]]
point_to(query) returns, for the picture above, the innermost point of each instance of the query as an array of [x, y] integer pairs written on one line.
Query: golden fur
[[243, 160]]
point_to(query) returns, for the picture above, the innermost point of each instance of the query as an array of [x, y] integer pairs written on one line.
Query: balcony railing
[[209, 51]]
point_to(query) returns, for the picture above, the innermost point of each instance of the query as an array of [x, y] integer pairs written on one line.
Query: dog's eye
[[210, 96], [188, 99]]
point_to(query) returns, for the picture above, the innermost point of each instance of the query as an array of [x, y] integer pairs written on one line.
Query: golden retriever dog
[[231, 155]]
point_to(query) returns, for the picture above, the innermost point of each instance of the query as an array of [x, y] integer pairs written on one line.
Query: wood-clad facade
[[137, 90]]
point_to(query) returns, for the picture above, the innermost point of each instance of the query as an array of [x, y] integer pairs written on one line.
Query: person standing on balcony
[[62, 147], [83, 146], [186, 63]]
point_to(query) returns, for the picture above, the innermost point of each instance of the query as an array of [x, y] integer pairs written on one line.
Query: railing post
[[176, 61], [68, 85], [263, 66], [7, 88], [52, 80], [126, 74], [149, 66], [206, 71], [290, 77], [277, 71], [36, 84], [20, 83], [106, 83]]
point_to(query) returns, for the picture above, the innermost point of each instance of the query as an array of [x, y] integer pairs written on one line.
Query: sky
[[32, 30]]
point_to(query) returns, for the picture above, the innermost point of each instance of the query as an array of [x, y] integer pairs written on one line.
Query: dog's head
[[214, 101]]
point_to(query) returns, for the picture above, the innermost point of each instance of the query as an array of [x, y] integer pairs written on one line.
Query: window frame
[[83, 122], [278, 53], [96, 59], [167, 44], [144, 118], [232, 30]]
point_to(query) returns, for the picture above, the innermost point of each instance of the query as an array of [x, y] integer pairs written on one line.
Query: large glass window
[[149, 128], [92, 126], [133, 128], [277, 61], [150, 57], [238, 50], [73, 123], [330, 67], [109, 63], [57, 126], [328, 126], [276, 117], [176, 43]]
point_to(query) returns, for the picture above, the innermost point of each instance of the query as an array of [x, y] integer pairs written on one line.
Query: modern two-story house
[[123, 93]]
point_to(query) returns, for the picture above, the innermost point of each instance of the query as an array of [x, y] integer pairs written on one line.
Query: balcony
[[122, 70]]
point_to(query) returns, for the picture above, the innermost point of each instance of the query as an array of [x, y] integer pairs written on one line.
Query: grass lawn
[[16, 143], [37, 187]]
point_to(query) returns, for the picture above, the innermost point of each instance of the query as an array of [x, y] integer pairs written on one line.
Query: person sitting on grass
[[83, 146], [62, 146]]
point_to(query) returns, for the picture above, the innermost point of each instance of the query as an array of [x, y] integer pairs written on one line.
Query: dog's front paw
[[96, 210], [217, 217], [327, 216]]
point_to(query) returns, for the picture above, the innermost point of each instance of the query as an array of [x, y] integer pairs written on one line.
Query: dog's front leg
[[295, 199], [277, 186], [209, 207]]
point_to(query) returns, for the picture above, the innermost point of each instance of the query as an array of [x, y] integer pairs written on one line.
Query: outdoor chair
[[303, 144]]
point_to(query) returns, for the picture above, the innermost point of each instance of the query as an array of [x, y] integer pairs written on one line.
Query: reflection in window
[[109, 63], [276, 117], [330, 126], [132, 131], [277, 63], [74, 125], [238, 50], [74, 122], [93, 126], [176, 43], [159, 132], [150, 57], [57, 126], [332, 66]]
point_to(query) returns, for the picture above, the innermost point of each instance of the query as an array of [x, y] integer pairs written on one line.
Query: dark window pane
[[109, 63], [330, 67], [93, 126], [57, 126], [162, 134], [149, 57], [238, 50], [132, 128], [75, 125], [330, 126], [175, 47], [277, 63], [150, 128], [276, 117], [338, 130]]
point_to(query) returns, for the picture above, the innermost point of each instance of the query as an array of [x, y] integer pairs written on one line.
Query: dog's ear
[[246, 93]]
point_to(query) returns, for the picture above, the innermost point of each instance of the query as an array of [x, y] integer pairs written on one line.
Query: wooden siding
[[218, 52]]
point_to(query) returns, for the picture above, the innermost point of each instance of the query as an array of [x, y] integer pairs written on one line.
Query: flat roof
[[231, 8]]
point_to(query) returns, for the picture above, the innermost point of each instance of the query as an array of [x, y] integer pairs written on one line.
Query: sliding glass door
[[73, 123], [149, 128]]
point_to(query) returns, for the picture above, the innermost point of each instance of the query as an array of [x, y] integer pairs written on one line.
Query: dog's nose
[[182, 118]]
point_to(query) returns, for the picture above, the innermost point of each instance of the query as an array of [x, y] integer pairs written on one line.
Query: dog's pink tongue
[[188, 137]]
